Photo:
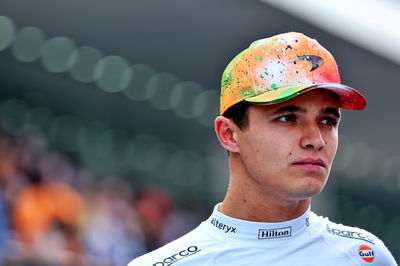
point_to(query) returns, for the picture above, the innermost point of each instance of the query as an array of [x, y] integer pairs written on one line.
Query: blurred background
[[107, 148]]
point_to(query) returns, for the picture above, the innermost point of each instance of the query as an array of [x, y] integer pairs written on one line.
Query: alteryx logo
[[274, 233], [224, 227], [183, 254]]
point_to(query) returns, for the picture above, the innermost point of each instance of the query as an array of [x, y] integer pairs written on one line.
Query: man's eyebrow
[[298, 109], [331, 111], [289, 109]]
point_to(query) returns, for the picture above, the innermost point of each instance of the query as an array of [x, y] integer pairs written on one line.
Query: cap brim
[[349, 98]]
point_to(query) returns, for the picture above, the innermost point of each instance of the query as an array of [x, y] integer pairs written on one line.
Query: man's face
[[288, 148]]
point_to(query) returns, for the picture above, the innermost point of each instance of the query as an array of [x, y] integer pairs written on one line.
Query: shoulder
[[185, 248], [354, 241]]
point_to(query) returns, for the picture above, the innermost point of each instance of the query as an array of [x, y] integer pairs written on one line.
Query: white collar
[[227, 227]]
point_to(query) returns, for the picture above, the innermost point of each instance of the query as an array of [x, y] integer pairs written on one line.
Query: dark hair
[[238, 114]]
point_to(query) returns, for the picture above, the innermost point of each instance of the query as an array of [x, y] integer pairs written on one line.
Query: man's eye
[[287, 118], [329, 121]]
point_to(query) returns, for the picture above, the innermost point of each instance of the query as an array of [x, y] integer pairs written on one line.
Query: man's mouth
[[311, 162]]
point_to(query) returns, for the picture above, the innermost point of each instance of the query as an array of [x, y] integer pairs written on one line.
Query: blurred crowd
[[55, 212]]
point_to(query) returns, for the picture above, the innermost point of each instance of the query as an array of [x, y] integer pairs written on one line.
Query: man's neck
[[247, 200], [259, 211]]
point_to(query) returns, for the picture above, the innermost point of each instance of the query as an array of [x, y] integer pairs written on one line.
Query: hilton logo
[[274, 233]]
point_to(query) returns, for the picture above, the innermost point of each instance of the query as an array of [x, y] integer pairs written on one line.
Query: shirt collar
[[227, 227]]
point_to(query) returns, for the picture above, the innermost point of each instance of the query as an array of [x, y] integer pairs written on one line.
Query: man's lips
[[310, 161]]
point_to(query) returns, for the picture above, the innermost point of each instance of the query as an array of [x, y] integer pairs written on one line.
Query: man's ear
[[226, 133]]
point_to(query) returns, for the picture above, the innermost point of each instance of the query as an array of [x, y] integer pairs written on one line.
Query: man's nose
[[312, 137]]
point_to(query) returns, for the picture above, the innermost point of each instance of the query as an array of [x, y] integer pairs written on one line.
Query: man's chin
[[308, 190]]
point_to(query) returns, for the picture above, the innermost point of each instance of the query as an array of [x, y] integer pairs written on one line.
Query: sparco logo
[[274, 233], [178, 256], [350, 234], [223, 227]]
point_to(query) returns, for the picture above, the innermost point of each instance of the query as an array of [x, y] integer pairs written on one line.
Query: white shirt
[[306, 240]]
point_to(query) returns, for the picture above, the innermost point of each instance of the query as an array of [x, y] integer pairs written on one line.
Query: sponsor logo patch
[[307, 222], [366, 253], [350, 234], [274, 233], [223, 227], [183, 254], [315, 60]]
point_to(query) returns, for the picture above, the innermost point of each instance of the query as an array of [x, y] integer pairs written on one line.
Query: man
[[280, 101]]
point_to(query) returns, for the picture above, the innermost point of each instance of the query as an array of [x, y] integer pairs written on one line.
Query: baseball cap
[[278, 68]]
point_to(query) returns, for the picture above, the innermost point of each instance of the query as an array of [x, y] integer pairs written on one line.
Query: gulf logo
[[366, 253]]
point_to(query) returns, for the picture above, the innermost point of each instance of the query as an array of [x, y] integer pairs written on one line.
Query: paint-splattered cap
[[281, 67]]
